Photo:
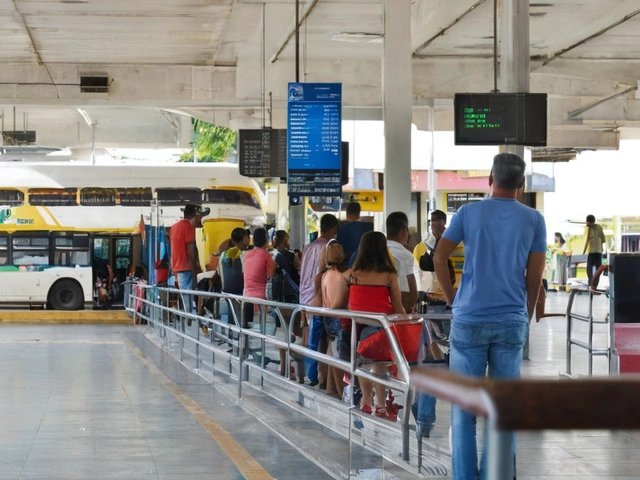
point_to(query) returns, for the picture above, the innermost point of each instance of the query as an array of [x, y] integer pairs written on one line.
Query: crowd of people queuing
[[350, 266]]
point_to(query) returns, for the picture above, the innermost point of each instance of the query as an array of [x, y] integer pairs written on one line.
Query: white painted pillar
[[397, 103], [514, 65], [514, 53]]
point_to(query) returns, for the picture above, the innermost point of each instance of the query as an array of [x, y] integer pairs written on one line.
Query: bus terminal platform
[[107, 401]]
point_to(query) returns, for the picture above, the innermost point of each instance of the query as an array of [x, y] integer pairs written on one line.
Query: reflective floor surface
[[103, 402]]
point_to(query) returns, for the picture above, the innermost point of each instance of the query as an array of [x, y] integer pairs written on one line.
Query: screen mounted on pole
[[500, 119]]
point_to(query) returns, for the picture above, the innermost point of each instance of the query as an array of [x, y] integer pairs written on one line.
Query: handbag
[[274, 289], [376, 346], [434, 343]]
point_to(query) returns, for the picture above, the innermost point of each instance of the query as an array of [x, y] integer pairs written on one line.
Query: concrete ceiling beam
[[435, 18], [622, 13]]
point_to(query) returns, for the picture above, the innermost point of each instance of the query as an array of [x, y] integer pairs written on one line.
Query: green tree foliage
[[212, 143]]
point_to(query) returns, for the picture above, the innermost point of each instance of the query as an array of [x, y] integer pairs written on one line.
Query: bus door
[[112, 260]]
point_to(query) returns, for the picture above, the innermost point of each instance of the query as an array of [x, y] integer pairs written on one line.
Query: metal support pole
[[499, 453], [297, 213], [432, 160], [93, 143]]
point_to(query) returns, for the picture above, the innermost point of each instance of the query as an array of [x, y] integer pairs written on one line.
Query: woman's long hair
[[373, 254]]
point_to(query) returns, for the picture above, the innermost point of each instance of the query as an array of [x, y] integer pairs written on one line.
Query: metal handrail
[[400, 383], [588, 345]]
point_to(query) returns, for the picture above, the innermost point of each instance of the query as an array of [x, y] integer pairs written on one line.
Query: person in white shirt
[[397, 237]]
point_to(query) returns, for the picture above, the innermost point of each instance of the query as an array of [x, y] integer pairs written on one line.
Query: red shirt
[[181, 234]]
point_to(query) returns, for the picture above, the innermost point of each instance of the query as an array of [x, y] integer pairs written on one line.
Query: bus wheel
[[66, 295]]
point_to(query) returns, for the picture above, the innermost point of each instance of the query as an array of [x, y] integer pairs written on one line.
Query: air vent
[[94, 84]]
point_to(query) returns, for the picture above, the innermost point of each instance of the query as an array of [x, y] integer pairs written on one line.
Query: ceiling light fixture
[[357, 37], [86, 117]]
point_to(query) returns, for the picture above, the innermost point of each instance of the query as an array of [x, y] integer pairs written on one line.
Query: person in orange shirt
[[184, 253]]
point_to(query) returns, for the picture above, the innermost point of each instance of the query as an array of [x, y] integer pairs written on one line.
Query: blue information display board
[[313, 139]]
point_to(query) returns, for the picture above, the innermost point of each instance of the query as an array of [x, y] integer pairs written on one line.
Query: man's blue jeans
[[424, 411], [185, 282], [496, 344], [316, 329]]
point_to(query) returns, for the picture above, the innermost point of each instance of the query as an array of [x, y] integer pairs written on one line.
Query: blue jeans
[[185, 282], [316, 329], [424, 410], [474, 346]]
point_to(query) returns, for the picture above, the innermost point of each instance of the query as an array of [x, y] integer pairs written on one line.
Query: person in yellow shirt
[[423, 253], [595, 240]]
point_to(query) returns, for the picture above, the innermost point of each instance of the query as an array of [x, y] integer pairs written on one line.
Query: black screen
[[500, 119], [625, 287], [344, 163]]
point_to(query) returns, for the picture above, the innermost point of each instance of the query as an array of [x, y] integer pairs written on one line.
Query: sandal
[[367, 409], [381, 412]]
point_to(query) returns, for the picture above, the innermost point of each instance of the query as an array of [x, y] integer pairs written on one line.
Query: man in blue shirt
[[505, 246], [352, 230]]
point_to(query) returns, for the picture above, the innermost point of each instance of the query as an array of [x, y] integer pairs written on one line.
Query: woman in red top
[[371, 286], [257, 265]]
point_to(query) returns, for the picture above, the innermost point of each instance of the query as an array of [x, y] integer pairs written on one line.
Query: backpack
[[426, 264], [232, 276], [278, 286]]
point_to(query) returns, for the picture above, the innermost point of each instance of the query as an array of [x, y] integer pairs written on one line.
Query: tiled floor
[[76, 402]]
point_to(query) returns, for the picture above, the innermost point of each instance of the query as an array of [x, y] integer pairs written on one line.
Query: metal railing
[[588, 344], [229, 340], [534, 405]]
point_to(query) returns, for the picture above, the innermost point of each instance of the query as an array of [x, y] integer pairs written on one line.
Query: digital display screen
[[262, 153], [500, 119], [314, 139]]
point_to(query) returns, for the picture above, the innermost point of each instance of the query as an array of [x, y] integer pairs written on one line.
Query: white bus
[[46, 268], [99, 197]]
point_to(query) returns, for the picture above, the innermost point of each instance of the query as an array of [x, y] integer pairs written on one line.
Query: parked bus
[[43, 263], [115, 197]]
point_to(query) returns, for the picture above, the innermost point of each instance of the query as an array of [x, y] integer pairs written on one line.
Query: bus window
[[238, 197], [12, 198], [178, 196], [98, 197], [31, 250], [135, 197], [4, 250], [101, 248], [53, 197], [72, 250]]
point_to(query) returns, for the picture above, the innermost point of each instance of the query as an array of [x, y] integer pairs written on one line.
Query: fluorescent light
[[86, 117], [357, 37]]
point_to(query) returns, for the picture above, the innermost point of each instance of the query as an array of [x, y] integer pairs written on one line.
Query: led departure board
[[262, 153], [500, 119], [313, 139]]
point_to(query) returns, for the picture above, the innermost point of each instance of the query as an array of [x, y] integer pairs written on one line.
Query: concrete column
[[514, 52], [397, 102], [514, 66]]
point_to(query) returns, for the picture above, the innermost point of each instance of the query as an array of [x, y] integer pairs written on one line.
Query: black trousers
[[594, 260]]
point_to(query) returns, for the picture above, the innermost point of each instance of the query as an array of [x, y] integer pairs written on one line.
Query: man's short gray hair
[[508, 170]]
